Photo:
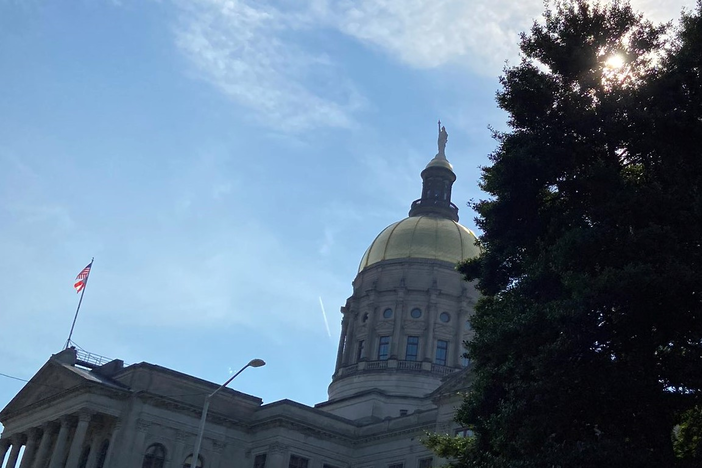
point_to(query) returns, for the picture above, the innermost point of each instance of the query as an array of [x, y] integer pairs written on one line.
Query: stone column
[[372, 337], [340, 350], [351, 337], [398, 316], [344, 344], [431, 323], [59, 454], [14, 453], [78, 439], [4, 446], [44, 445], [460, 329], [95, 445], [178, 454], [277, 456], [138, 443], [30, 449], [217, 449], [113, 443]]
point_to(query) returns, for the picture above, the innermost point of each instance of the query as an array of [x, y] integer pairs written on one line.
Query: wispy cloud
[[481, 34], [250, 52], [427, 34], [271, 60], [327, 242]]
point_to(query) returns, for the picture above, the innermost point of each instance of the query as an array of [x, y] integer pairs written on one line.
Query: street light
[[206, 406]]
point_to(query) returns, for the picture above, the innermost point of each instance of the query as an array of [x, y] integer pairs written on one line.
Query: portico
[[72, 440]]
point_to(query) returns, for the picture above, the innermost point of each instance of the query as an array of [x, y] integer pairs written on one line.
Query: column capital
[[142, 425], [66, 419], [49, 426], [217, 446], [18, 438], [34, 432], [84, 415], [5, 443], [277, 447]]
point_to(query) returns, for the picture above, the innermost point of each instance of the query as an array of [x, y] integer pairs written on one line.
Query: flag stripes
[[82, 278]]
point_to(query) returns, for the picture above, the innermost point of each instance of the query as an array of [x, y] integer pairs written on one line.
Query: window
[[463, 432], [416, 313], [383, 348], [326, 465], [365, 317], [425, 462], [359, 350], [298, 462], [445, 317], [396, 465], [467, 326], [260, 461], [441, 352], [465, 360], [188, 463], [403, 412], [387, 313], [412, 348], [102, 454], [154, 457]]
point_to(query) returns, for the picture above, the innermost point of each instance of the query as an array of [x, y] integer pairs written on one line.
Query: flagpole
[[80, 301]]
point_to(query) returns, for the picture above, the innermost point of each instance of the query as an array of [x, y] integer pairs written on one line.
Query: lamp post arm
[[229, 381], [203, 419]]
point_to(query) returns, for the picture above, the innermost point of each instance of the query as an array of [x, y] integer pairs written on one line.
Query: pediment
[[50, 381]]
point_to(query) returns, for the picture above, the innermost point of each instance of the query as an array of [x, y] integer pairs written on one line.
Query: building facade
[[398, 375]]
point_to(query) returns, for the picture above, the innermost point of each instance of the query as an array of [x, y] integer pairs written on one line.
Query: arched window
[[102, 454], [154, 457], [189, 461]]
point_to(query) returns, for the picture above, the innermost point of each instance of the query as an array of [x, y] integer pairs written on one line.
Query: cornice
[[302, 428], [160, 401], [424, 428], [350, 440]]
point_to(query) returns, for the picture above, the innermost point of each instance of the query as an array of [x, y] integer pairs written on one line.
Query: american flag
[[82, 278]]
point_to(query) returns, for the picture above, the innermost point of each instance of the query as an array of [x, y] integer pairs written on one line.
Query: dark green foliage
[[588, 345], [688, 436]]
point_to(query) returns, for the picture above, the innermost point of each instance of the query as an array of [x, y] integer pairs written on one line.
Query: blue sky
[[227, 163]]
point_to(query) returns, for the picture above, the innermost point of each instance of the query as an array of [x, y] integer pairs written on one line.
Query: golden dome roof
[[440, 161], [427, 237]]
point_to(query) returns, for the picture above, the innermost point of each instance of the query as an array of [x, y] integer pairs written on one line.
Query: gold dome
[[440, 161], [422, 237]]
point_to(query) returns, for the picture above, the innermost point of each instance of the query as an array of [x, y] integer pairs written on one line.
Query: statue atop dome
[[443, 138]]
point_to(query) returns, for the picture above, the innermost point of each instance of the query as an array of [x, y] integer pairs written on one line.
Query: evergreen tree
[[588, 338]]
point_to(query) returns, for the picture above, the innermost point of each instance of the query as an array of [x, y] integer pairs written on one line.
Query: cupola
[[437, 181]]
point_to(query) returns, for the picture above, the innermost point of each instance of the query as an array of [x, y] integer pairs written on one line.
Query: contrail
[[324, 314]]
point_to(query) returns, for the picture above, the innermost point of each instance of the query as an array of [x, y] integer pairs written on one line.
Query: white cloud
[[271, 61], [427, 34], [480, 34], [249, 51], [662, 11]]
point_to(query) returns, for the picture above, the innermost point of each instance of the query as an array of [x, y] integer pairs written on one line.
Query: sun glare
[[615, 61]]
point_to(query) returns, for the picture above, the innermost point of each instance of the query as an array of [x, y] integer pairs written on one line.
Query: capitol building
[[399, 375]]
